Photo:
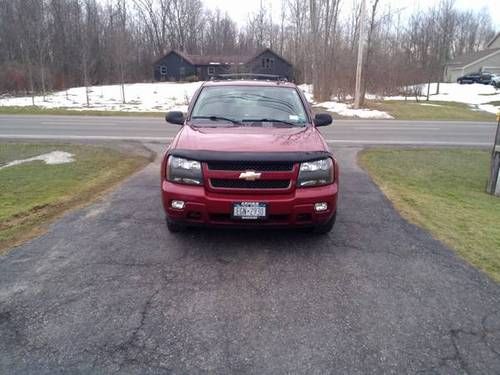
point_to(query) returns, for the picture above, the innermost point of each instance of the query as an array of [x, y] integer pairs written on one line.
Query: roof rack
[[267, 77]]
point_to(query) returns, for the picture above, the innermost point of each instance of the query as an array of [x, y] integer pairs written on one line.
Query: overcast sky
[[240, 9]]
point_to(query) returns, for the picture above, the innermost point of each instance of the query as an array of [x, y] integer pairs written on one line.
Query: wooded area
[[56, 44]]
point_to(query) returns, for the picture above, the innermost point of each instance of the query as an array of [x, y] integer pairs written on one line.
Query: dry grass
[[34, 194]]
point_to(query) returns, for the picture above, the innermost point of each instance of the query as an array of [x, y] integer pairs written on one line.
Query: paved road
[[349, 132], [108, 289]]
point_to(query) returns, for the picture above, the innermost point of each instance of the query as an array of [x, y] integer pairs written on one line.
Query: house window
[[163, 70], [182, 71], [211, 70], [268, 63]]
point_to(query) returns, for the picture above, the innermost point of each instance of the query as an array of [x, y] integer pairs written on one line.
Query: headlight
[[316, 173], [184, 171]]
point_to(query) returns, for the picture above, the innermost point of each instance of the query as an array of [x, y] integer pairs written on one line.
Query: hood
[[250, 139]]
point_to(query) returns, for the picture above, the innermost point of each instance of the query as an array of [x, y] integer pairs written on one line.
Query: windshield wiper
[[217, 118], [273, 120]]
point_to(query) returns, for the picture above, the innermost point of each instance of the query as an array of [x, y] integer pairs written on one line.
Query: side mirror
[[322, 119], [175, 117]]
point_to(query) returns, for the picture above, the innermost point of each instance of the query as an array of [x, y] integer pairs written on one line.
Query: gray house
[[177, 66], [487, 60]]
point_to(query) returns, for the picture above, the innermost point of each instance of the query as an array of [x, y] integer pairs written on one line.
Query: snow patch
[[345, 110], [475, 93], [54, 157], [307, 89], [342, 109], [139, 97], [488, 108], [175, 96]]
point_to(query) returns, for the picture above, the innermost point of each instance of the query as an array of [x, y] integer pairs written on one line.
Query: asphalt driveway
[[108, 289]]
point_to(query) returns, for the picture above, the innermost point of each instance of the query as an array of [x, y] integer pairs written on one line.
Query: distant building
[[177, 66], [487, 60]]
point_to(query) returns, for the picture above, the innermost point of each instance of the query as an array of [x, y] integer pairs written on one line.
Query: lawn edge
[[413, 217], [54, 212]]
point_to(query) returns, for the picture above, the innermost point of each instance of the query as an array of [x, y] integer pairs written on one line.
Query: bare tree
[[56, 44]]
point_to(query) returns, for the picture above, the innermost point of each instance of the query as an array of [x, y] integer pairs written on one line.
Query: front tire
[[174, 227], [326, 227]]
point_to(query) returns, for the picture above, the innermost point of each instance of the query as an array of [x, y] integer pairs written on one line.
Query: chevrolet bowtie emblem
[[250, 175]]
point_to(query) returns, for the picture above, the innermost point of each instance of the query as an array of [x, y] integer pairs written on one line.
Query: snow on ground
[[151, 97], [139, 97], [168, 96], [343, 109], [54, 157], [307, 89], [476, 95]]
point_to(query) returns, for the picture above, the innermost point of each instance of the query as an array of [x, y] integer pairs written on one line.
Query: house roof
[[221, 59], [493, 40], [218, 59], [464, 60], [270, 50]]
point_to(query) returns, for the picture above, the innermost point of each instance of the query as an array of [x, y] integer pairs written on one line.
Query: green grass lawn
[[444, 192], [32, 194], [33, 110], [410, 110]]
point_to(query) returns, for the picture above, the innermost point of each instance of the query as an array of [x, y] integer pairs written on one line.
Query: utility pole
[[361, 43], [494, 182]]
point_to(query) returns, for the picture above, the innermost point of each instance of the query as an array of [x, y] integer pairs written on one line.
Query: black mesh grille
[[242, 184], [250, 165]]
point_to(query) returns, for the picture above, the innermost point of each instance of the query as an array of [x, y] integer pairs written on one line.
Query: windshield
[[244, 104]]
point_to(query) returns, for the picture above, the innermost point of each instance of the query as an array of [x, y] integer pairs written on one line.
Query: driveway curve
[[108, 289]]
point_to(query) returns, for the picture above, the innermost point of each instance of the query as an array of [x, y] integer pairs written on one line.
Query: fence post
[[494, 182]]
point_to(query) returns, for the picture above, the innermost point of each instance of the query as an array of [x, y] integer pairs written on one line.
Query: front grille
[[243, 184], [259, 166]]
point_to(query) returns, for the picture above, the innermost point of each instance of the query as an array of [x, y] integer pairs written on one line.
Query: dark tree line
[[55, 44]]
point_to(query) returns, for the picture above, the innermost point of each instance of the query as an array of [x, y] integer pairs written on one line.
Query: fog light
[[178, 205], [322, 206]]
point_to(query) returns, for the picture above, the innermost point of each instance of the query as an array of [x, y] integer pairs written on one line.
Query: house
[[487, 60], [178, 66]]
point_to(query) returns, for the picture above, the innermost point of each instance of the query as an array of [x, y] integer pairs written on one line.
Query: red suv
[[249, 154]]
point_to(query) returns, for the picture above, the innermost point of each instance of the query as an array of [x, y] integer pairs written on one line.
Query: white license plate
[[249, 210]]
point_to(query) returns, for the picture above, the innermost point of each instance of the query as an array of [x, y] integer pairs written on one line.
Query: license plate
[[249, 210]]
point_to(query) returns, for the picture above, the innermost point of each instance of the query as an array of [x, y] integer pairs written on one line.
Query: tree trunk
[[32, 86], [86, 82], [42, 74], [122, 74], [428, 89]]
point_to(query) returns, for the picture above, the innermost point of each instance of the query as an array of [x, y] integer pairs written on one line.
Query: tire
[[174, 227], [460, 82], [326, 227]]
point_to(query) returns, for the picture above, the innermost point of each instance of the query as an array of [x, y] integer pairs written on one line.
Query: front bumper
[[204, 207]]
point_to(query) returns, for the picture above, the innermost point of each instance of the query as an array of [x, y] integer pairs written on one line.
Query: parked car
[[484, 78], [495, 81], [249, 154], [469, 78]]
